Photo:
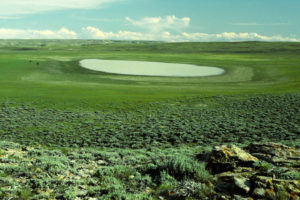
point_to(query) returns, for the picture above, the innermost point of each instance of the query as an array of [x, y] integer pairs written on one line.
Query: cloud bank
[[95, 33], [63, 33], [90, 32], [169, 28]]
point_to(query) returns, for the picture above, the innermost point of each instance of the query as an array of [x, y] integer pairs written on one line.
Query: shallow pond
[[149, 68]]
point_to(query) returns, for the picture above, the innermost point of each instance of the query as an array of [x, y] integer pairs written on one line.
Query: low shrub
[[183, 167]]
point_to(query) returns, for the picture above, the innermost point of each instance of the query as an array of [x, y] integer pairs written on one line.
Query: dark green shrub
[[290, 175], [25, 193], [52, 164], [183, 167], [263, 166], [70, 194]]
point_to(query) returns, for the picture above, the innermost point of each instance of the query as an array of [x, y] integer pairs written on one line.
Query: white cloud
[[95, 33], [19, 7], [232, 36], [156, 24], [63, 33]]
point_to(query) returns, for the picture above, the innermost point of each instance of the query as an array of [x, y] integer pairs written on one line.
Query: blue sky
[[167, 20]]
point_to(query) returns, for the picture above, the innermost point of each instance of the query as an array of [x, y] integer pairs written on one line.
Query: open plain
[[69, 132]]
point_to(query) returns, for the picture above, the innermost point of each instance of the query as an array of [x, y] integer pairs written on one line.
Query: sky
[[159, 20]]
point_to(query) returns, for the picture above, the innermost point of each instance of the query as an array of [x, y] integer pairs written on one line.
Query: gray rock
[[267, 171], [259, 193], [238, 197], [277, 154], [232, 184], [228, 157], [242, 184]]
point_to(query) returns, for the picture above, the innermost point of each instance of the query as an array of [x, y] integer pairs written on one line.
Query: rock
[[268, 171], [232, 184], [271, 185], [246, 172], [224, 197], [243, 170], [277, 154], [227, 158], [238, 197], [259, 193], [291, 186], [262, 181], [101, 162], [242, 184]]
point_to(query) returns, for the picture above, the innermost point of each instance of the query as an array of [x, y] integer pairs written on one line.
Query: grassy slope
[[158, 110], [251, 68]]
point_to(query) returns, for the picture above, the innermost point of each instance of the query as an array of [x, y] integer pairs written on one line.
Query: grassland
[[56, 109], [252, 68]]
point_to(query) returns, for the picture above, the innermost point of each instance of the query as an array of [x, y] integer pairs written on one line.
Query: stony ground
[[258, 171]]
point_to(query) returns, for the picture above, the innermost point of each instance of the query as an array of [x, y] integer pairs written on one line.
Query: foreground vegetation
[[110, 174], [67, 132], [173, 173]]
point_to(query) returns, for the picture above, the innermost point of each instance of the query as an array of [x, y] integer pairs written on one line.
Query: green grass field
[[251, 68], [52, 105]]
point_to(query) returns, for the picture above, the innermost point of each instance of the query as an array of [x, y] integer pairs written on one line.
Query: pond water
[[149, 68]]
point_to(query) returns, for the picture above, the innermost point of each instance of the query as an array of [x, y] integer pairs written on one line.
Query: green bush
[[291, 175], [263, 166], [70, 194], [192, 189], [25, 193], [183, 167], [52, 164], [167, 180]]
